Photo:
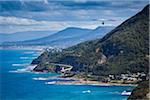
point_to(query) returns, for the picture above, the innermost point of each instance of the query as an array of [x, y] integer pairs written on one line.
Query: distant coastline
[[39, 48]]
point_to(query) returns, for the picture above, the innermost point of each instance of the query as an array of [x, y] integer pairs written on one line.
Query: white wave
[[31, 67], [27, 69], [87, 91], [53, 82], [24, 57], [35, 54], [29, 52], [27, 57], [40, 78], [19, 71], [38, 72], [20, 64]]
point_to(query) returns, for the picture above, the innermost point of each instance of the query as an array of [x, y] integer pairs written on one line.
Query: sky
[[55, 15]]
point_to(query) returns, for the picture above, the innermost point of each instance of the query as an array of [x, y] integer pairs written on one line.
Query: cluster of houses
[[129, 77]]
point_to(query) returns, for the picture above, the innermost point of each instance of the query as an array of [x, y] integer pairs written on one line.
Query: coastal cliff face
[[141, 92], [124, 49]]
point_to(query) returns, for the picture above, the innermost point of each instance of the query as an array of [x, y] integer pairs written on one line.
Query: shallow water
[[21, 86]]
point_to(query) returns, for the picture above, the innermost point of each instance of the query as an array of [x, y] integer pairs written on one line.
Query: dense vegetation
[[125, 49], [140, 92]]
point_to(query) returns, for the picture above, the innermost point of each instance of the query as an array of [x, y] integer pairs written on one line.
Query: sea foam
[[40, 78], [20, 64], [27, 69]]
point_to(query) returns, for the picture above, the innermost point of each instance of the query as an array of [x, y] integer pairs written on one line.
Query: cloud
[[73, 10], [17, 24], [46, 1], [42, 15], [19, 21], [14, 24]]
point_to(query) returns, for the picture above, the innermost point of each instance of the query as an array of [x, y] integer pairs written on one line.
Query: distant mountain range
[[22, 36], [67, 37]]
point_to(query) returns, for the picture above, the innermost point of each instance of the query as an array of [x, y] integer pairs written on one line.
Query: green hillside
[[125, 49]]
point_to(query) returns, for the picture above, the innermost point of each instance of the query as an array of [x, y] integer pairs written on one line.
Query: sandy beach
[[80, 81]]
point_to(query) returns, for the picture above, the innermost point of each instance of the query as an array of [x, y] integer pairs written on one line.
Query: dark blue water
[[21, 86]]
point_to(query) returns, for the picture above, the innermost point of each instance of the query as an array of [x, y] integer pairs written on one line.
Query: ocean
[[16, 83]]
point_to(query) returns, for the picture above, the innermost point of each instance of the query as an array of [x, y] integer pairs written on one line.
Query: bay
[[15, 85]]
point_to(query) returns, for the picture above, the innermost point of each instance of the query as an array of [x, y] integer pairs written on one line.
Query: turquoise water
[[21, 86]]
